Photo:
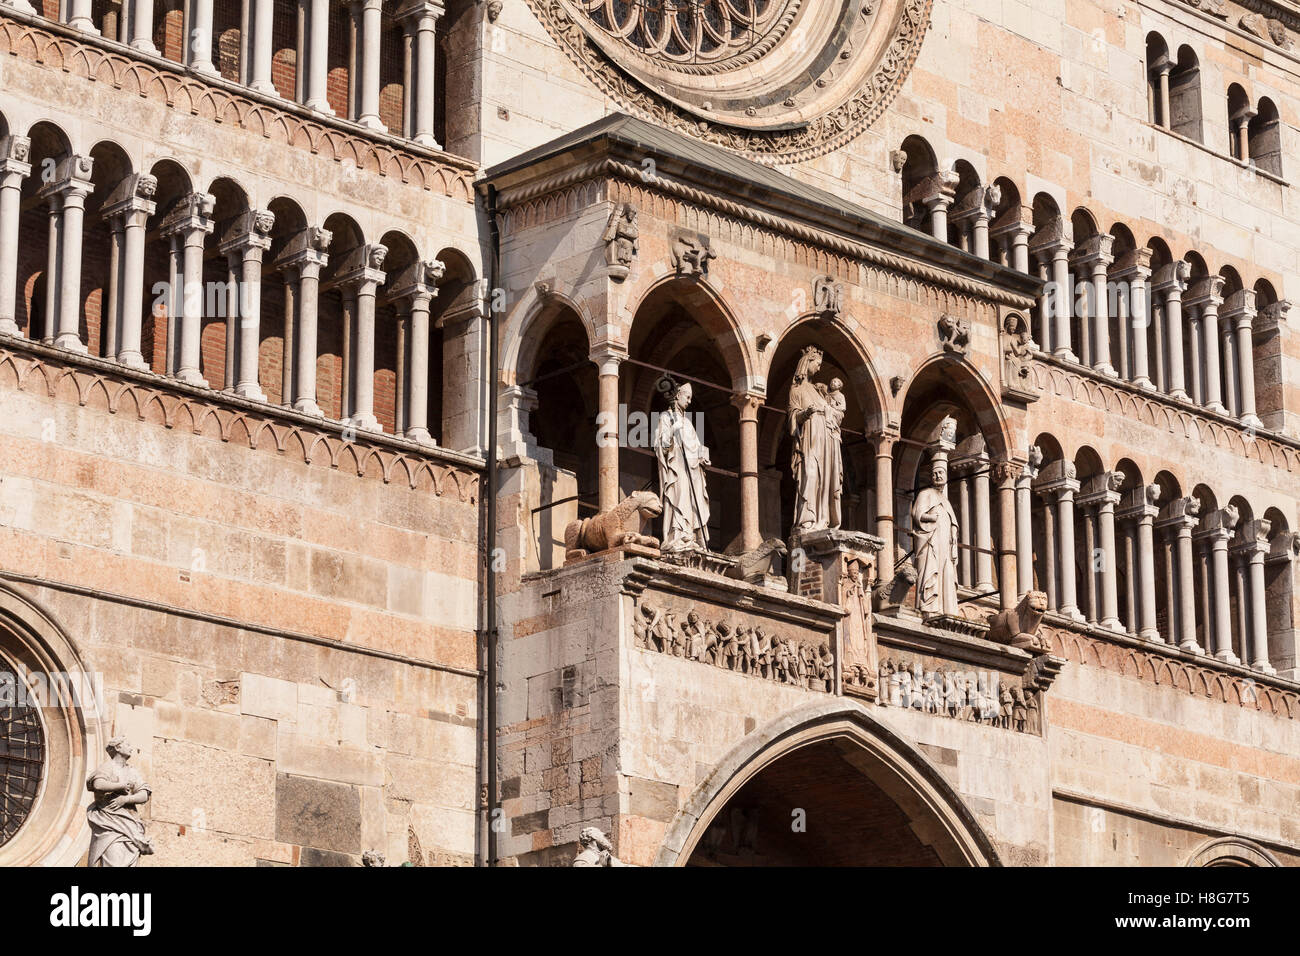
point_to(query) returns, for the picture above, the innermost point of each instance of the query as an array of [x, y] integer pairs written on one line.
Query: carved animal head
[[647, 504], [1035, 603]]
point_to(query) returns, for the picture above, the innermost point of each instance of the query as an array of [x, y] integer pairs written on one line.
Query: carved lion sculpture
[[763, 560], [1019, 627], [613, 529]]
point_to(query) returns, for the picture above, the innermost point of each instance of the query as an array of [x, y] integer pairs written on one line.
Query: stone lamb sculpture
[[1019, 626], [760, 562], [613, 529]]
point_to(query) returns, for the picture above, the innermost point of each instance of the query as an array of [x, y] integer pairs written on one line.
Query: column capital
[[417, 281], [1239, 306], [748, 403], [413, 13], [886, 435], [1133, 266], [979, 203], [1206, 293], [361, 268], [938, 189], [191, 214], [1285, 547], [1057, 477], [1102, 489], [134, 194], [1016, 222], [15, 155], [305, 246], [1095, 252], [1140, 502], [1180, 514], [608, 356], [1252, 538], [1052, 239], [1219, 525], [1272, 317], [249, 231], [1172, 277], [71, 179], [966, 465], [1007, 471]]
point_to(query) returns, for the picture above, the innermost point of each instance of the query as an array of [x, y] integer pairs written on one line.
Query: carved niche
[[1018, 381]]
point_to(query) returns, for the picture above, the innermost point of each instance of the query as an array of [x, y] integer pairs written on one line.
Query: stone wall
[[287, 636]]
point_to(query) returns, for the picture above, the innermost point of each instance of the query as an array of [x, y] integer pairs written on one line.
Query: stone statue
[[117, 837], [935, 525], [373, 858], [860, 664], [614, 529], [621, 240], [595, 849], [816, 459], [682, 490], [1018, 626]]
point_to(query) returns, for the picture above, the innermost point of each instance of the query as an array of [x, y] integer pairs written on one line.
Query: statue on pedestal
[[117, 837], [816, 459], [934, 524], [595, 849], [682, 459]]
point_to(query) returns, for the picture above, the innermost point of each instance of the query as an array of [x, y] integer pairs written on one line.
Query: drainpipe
[[490, 577]]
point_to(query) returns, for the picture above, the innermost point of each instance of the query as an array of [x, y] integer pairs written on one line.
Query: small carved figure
[[595, 849], [682, 460], [937, 535], [1018, 626], [828, 296], [825, 666], [642, 624], [621, 235], [614, 529], [372, 858], [691, 256], [696, 640], [117, 835], [1005, 708], [1019, 711], [954, 333]]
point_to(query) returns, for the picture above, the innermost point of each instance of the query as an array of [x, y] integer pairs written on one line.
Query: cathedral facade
[[668, 432]]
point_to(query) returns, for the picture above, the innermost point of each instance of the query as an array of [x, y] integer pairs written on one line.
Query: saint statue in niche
[[117, 836], [682, 459], [935, 525], [816, 460]]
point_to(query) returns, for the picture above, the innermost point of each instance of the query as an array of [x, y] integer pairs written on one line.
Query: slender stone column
[[1052, 244], [110, 317], [79, 16], [1179, 518], [200, 38], [420, 22], [1159, 360], [607, 359], [15, 151], [317, 49], [1045, 330], [1230, 364], [1140, 506], [1134, 270], [1090, 564], [1049, 552], [1012, 231], [938, 208], [1218, 530], [1254, 550], [1059, 479], [415, 287], [1171, 280], [360, 273], [983, 535], [747, 404], [347, 397], [142, 27], [233, 271], [1024, 523], [1163, 69], [961, 471], [1064, 304], [135, 211], [53, 256], [1103, 494], [190, 222], [74, 187], [262, 47], [1207, 296], [1095, 258], [1007, 474], [371, 55], [306, 333], [1239, 317], [248, 238], [401, 390], [885, 440], [1194, 389]]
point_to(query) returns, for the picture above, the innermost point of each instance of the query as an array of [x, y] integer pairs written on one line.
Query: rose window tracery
[[778, 80]]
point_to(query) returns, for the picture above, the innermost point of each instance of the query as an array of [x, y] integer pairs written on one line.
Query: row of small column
[[256, 50], [186, 228]]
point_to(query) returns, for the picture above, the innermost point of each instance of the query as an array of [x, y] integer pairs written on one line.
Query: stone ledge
[[105, 384]]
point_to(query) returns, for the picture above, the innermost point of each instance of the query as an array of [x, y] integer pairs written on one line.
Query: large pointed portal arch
[[864, 796]]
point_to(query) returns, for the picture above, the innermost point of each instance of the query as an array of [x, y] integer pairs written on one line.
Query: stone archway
[[826, 785]]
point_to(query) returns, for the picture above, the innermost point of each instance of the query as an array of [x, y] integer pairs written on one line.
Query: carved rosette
[[781, 81]]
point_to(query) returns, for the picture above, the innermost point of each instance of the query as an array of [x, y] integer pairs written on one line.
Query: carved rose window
[[691, 31], [779, 80], [22, 755]]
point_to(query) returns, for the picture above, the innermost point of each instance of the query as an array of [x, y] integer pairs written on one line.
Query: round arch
[[935, 813], [38, 648], [1231, 851], [710, 310]]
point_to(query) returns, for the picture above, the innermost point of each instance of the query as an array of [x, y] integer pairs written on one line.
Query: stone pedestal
[[822, 566]]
